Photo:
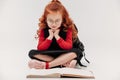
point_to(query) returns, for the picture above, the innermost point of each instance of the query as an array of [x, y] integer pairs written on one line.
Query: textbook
[[61, 73]]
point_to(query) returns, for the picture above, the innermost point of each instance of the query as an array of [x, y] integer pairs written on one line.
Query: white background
[[98, 22]]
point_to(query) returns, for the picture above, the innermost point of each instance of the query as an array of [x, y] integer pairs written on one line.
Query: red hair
[[56, 6]]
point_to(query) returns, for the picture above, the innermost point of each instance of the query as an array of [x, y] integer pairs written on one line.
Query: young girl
[[56, 34]]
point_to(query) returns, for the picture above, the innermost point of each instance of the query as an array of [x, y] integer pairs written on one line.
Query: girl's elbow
[[68, 47], [40, 48]]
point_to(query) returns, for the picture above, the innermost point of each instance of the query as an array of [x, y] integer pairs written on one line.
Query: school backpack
[[80, 46]]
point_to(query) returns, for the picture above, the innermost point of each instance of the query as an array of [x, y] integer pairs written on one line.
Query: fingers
[[50, 31], [53, 33], [56, 32], [50, 34]]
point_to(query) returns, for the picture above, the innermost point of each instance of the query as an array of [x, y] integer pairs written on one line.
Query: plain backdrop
[[98, 22]]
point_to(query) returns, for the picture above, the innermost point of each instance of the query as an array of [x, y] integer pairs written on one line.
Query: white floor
[[105, 66]]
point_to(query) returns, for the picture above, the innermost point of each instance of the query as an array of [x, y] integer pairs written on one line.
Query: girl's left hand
[[56, 34]]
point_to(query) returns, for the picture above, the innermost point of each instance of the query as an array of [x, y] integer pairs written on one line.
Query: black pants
[[54, 53]]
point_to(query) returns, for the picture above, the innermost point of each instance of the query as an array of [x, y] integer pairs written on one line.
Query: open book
[[60, 73]]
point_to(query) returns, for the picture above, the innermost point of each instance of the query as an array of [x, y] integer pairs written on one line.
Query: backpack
[[80, 46]]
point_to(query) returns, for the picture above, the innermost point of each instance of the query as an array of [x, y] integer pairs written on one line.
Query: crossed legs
[[63, 59]]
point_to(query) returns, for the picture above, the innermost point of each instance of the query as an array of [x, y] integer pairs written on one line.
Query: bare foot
[[70, 64], [36, 64]]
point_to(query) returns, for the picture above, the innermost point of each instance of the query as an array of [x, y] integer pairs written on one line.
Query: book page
[[44, 71], [75, 71], [61, 71], [54, 75]]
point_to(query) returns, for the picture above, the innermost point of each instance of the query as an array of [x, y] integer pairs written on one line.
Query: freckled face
[[54, 20]]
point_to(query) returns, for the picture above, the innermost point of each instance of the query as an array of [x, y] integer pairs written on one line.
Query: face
[[54, 20]]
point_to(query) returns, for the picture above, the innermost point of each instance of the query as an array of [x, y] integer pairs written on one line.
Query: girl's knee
[[31, 53]]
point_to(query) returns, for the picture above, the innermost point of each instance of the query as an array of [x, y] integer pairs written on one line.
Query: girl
[[56, 35]]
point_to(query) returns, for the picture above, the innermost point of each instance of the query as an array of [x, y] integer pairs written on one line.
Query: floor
[[104, 68]]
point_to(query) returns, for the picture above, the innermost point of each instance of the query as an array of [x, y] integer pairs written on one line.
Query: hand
[[50, 34], [56, 34]]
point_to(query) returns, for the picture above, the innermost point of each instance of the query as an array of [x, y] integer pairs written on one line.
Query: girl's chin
[[53, 29]]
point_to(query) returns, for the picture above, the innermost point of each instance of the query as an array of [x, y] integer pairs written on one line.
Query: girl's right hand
[[50, 37]]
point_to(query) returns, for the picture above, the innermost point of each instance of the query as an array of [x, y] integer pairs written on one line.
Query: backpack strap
[[85, 57], [79, 61]]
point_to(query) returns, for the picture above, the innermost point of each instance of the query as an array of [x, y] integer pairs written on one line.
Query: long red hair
[[56, 6]]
